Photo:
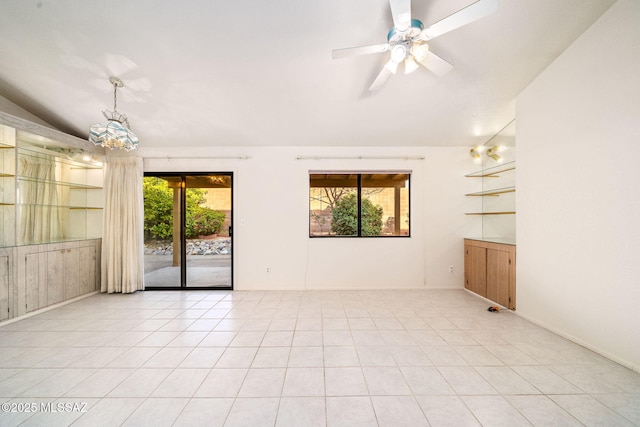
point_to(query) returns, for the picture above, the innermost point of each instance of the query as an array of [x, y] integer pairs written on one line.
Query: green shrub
[[158, 209], [158, 212], [203, 222], [344, 221]]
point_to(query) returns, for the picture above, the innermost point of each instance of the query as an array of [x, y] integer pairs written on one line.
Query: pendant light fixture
[[115, 133]]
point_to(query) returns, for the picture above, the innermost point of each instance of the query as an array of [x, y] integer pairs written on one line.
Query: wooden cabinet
[[50, 216], [499, 276], [475, 269], [490, 270], [53, 273], [5, 276]]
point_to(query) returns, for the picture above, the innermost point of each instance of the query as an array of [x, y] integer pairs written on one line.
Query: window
[[371, 204]]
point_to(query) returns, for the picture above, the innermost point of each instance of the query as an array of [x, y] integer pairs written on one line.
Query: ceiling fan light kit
[[395, 35], [406, 40], [420, 51], [410, 65]]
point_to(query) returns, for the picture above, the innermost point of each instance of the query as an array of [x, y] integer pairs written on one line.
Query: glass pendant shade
[[114, 134]]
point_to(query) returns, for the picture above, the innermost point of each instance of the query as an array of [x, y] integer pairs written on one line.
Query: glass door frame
[[183, 240]]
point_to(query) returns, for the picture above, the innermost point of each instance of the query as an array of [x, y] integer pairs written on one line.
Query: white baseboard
[[47, 308]]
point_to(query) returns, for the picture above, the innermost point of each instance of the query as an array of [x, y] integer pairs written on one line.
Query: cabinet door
[[71, 263], [475, 269], [4, 287], [32, 281], [55, 275], [498, 276], [87, 271]]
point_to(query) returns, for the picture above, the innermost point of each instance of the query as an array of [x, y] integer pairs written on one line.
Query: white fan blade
[[401, 12], [435, 64], [362, 50], [465, 16], [389, 68]]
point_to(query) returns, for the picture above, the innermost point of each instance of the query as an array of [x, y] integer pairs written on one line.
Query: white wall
[[578, 199], [271, 211]]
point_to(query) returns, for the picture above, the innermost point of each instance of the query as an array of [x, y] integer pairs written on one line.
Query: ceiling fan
[[407, 39]]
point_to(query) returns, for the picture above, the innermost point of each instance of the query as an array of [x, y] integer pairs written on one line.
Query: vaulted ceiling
[[251, 72]]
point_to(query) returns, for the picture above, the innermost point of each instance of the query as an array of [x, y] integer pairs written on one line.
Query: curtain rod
[[169, 158], [361, 158]]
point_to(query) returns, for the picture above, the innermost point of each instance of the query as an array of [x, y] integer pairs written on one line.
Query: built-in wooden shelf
[[494, 171], [73, 186], [495, 192], [491, 213]]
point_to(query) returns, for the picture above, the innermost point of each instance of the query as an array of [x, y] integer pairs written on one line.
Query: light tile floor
[[314, 358]]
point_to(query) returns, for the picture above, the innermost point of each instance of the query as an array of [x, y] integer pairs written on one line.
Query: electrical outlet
[[268, 269], [451, 269]]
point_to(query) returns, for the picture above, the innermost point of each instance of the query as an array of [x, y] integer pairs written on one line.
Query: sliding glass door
[[187, 225]]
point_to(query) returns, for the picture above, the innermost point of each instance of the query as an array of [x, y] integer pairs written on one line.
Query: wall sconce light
[[493, 153], [476, 153]]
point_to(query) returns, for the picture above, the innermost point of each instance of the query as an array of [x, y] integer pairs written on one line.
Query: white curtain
[[122, 230], [40, 219]]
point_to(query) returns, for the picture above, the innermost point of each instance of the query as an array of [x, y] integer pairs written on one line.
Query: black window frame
[[359, 175]]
